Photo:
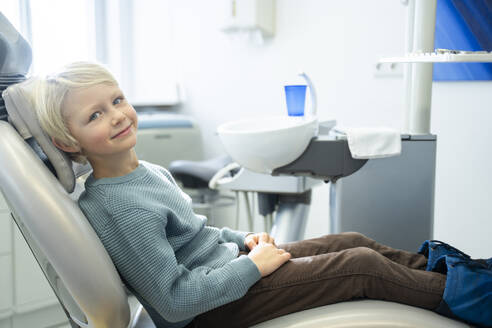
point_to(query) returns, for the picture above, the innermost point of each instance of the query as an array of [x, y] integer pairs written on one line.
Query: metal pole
[[101, 30], [420, 94], [407, 77]]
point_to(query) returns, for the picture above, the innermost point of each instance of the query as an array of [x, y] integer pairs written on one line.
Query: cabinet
[[31, 287], [26, 299], [6, 279], [5, 286]]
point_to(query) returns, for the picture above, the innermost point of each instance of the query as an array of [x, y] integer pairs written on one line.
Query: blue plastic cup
[[295, 96]]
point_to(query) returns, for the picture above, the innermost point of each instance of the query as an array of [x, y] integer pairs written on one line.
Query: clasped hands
[[264, 253]]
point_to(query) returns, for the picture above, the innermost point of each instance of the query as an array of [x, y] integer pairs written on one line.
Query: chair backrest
[[66, 247]]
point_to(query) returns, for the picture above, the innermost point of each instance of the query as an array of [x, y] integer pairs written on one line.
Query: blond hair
[[49, 93]]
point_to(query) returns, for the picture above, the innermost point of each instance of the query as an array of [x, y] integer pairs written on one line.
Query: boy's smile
[[123, 133], [103, 123]]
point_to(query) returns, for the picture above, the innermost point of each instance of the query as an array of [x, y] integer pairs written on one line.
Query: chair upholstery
[[363, 314]]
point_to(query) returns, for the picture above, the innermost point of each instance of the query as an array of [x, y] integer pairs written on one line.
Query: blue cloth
[[468, 291], [435, 251], [165, 253]]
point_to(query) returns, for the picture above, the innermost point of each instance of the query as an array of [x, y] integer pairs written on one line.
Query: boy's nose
[[117, 117]]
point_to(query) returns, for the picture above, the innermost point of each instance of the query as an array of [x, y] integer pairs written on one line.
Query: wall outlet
[[388, 70]]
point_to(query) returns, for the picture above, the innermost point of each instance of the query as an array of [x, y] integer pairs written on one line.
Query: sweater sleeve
[[147, 261], [228, 235]]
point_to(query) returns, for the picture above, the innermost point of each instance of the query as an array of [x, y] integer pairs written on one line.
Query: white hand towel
[[372, 142]]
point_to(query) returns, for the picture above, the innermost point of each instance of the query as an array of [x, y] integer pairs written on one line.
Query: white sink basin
[[265, 143]]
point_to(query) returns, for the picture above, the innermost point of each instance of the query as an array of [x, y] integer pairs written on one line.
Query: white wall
[[463, 207], [338, 43]]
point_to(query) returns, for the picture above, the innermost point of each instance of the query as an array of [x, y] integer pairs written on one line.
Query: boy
[[187, 274]]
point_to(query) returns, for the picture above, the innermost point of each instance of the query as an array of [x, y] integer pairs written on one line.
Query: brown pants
[[332, 269]]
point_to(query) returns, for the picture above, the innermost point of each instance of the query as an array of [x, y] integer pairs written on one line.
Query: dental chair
[[40, 185], [78, 267]]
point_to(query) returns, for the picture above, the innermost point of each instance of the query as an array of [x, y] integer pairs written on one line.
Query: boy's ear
[[64, 147]]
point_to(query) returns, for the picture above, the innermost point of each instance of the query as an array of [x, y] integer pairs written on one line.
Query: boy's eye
[[94, 116], [118, 100]]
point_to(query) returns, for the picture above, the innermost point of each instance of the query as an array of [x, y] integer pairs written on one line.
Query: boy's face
[[101, 120]]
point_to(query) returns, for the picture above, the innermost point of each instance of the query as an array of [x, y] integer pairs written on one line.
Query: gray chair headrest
[[23, 117]]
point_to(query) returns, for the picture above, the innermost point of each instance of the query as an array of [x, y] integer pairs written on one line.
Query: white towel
[[367, 143]]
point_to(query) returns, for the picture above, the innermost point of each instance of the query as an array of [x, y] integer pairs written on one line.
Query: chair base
[[139, 317]]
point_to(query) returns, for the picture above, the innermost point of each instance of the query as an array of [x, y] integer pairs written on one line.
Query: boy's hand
[[252, 240], [267, 257]]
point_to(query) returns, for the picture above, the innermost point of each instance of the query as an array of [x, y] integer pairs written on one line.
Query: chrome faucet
[[312, 91]]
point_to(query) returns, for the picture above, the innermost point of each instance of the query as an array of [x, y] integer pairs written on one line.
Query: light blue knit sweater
[[164, 251]]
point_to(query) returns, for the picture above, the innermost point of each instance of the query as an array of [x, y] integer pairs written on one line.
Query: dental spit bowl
[[264, 144]]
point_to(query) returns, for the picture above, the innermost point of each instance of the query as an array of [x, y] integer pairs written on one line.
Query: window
[[10, 8], [128, 36], [62, 31]]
